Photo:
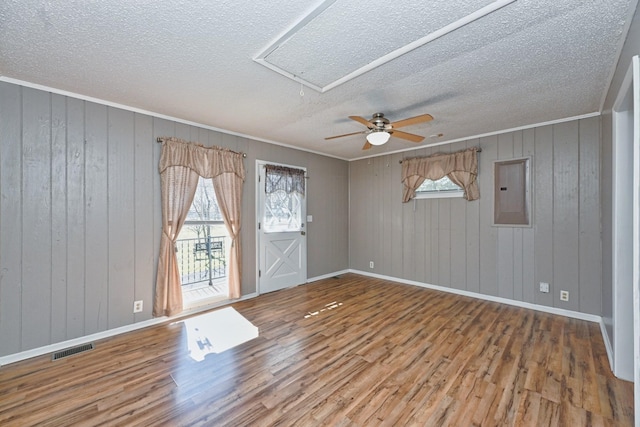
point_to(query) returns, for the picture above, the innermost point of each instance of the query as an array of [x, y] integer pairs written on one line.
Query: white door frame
[[259, 188], [635, 66], [626, 231], [622, 233]]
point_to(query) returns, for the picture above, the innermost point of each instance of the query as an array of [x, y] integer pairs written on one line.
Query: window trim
[[441, 194]]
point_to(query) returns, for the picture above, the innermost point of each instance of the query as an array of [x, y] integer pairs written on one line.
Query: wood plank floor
[[349, 351]]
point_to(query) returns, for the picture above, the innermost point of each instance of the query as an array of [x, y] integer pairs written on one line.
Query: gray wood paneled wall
[[452, 243], [80, 213]]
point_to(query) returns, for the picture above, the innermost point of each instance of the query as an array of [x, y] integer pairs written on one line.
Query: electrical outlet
[[544, 287], [137, 306], [370, 264], [564, 295]]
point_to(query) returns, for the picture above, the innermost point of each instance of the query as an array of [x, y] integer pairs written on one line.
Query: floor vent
[[71, 351]]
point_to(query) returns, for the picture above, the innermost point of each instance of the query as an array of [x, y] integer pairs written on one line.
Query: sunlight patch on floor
[[327, 307], [216, 332]]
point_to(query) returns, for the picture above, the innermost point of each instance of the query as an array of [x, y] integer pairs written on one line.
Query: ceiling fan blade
[[364, 121], [346, 134], [408, 136], [367, 145], [412, 121]]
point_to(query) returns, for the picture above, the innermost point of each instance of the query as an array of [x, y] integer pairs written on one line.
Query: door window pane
[[282, 212]]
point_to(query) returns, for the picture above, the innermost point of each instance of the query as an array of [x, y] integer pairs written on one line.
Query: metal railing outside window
[[201, 259]]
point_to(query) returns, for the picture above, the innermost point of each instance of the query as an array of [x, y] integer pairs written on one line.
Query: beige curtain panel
[[228, 189], [181, 165], [461, 168], [178, 185]]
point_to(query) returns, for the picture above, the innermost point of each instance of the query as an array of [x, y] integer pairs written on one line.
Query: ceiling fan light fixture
[[378, 137]]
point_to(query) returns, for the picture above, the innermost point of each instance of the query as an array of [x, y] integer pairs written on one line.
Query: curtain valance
[[289, 180], [208, 162], [461, 168]]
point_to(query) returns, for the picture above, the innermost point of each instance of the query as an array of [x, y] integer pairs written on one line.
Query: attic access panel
[[335, 43]]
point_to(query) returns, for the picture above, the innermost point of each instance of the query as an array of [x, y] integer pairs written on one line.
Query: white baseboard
[[607, 343], [16, 357], [537, 307], [326, 276], [12, 358]]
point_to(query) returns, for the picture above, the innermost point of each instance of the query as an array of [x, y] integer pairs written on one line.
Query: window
[[202, 248], [441, 188], [460, 167], [204, 206]]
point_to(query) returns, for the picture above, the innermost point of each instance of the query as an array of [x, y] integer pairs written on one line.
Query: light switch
[[309, 218]]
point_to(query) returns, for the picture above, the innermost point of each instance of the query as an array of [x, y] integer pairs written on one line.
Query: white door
[[282, 241]]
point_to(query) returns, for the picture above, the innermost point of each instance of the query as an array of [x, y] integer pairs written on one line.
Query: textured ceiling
[[528, 62], [306, 52]]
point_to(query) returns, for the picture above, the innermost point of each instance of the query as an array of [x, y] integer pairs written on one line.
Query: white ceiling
[[529, 62]]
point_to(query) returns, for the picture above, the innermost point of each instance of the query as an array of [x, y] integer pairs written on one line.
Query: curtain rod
[[244, 155], [478, 150]]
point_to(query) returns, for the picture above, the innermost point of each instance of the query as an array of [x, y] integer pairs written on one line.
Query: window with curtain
[[285, 191], [460, 167], [181, 166]]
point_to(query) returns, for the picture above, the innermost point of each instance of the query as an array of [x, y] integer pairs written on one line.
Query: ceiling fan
[[380, 129]]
